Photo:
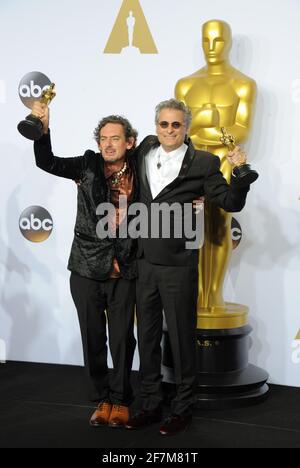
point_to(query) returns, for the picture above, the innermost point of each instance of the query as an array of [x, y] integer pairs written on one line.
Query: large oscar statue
[[221, 99]]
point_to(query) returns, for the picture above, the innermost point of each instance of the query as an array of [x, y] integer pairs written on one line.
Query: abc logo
[[236, 233], [36, 224], [31, 87]]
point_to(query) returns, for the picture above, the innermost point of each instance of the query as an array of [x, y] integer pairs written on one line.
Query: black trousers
[[92, 299], [175, 290]]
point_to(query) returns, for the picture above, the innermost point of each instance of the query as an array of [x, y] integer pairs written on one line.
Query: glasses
[[175, 125]]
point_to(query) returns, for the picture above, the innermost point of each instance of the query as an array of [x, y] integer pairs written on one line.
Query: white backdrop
[[65, 40]]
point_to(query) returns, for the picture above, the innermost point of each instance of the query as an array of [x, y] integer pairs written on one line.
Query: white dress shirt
[[170, 167]]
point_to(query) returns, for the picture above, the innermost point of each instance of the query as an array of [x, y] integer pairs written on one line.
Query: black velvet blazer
[[90, 256]]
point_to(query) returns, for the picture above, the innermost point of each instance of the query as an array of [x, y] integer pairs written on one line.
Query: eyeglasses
[[175, 125]]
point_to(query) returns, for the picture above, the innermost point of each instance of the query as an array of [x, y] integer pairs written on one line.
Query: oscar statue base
[[224, 376], [234, 389], [31, 128], [231, 315]]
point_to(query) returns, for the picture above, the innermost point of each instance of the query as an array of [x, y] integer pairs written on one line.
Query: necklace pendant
[[118, 175], [158, 165]]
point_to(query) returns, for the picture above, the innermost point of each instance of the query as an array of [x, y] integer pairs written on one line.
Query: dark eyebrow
[[112, 136]]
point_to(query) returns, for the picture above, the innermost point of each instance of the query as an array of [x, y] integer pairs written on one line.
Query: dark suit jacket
[[199, 175], [90, 256]]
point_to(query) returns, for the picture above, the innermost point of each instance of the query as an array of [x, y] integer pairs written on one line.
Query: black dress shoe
[[174, 424], [144, 418]]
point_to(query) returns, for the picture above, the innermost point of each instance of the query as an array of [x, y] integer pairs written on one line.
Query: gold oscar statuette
[[32, 126], [243, 172]]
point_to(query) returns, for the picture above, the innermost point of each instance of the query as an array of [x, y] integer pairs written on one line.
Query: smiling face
[[216, 41], [113, 144], [171, 129]]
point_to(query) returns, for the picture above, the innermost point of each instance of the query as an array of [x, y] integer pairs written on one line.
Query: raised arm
[[70, 168]]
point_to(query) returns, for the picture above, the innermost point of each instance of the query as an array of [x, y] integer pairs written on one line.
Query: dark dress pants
[[97, 303], [173, 289]]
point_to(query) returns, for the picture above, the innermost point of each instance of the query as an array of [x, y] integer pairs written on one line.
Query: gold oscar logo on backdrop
[[130, 31]]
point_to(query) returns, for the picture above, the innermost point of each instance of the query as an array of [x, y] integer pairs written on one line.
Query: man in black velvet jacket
[[171, 171], [103, 271]]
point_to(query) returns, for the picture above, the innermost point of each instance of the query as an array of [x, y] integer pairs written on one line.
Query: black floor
[[43, 405]]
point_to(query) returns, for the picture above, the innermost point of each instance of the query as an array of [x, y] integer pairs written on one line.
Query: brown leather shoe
[[119, 416], [174, 424], [101, 416], [144, 418]]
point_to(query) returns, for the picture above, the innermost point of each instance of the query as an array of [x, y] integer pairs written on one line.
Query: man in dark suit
[[172, 171], [103, 270]]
